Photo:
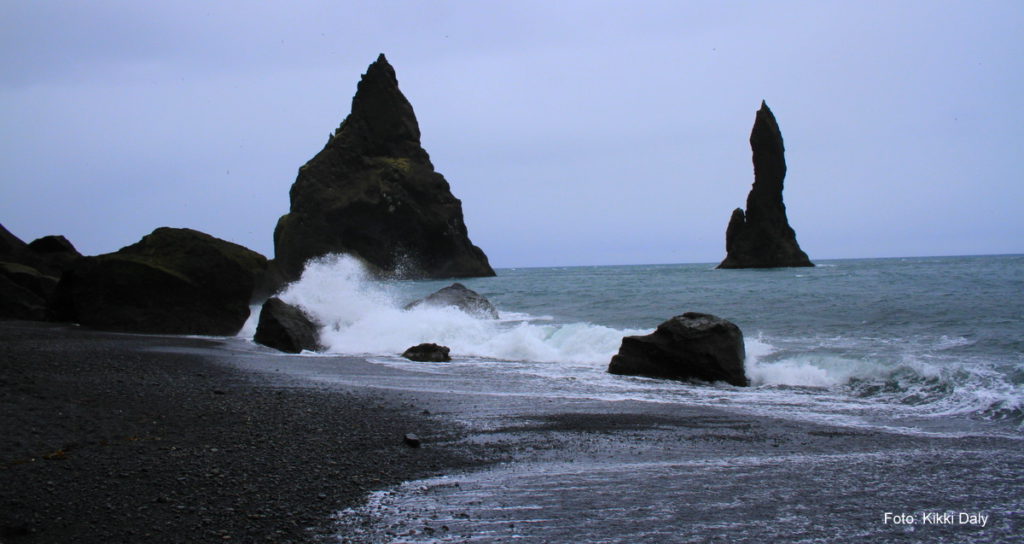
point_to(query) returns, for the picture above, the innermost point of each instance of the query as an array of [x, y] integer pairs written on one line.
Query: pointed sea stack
[[372, 192], [762, 237]]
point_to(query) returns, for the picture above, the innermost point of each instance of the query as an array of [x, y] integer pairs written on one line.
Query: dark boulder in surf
[[286, 328], [761, 237], [174, 281], [428, 353], [691, 346], [461, 297], [372, 192]]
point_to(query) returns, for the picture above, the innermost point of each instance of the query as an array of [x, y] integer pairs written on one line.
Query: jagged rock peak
[[382, 122], [373, 193], [761, 236], [769, 156]]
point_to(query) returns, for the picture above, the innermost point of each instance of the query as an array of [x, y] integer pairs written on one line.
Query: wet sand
[[637, 472], [122, 438]]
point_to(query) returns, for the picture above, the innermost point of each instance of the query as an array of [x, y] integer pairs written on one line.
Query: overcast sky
[[573, 132]]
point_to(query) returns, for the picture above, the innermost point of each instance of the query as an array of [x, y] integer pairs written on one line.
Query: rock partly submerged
[[428, 353], [761, 237], [173, 281], [461, 297], [691, 346], [372, 192], [285, 327]]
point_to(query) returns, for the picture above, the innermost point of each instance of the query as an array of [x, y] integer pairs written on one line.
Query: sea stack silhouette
[[372, 192], [761, 237]]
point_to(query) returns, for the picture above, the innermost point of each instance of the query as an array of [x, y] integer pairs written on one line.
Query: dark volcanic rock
[[17, 301], [461, 297], [28, 276], [428, 353], [372, 192], [55, 253], [177, 281], [762, 237], [286, 328], [271, 282], [50, 255], [42, 285], [12, 248], [48, 245], [691, 346]]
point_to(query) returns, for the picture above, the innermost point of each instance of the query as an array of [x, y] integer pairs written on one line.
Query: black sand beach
[[126, 438], [106, 439]]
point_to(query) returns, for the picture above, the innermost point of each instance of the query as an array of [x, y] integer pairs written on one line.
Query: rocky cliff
[[373, 192], [761, 237]]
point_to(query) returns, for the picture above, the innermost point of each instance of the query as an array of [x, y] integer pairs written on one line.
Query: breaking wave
[[361, 316], [923, 376]]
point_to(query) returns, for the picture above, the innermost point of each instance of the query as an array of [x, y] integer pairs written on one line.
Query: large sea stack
[[372, 192], [762, 237]]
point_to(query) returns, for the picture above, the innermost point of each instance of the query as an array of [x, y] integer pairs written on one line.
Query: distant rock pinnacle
[[372, 192], [761, 237]]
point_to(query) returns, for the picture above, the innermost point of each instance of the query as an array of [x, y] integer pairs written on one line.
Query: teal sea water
[[918, 345]]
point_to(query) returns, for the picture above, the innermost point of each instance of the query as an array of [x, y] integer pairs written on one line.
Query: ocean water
[[913, 345]]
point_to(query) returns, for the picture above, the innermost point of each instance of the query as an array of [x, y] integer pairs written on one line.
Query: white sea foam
[[366, 317], [920, 376], [924, 380], [249, 328], [803, 370], [812, 370]]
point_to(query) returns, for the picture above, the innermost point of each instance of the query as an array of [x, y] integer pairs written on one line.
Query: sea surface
[[916, 345], [879, 386]]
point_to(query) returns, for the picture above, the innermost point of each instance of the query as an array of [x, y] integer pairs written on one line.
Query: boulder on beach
[[692, 346], [460, 297], [428, 353], [372, 192], [761, 236], [286, 328], [174, 281]]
